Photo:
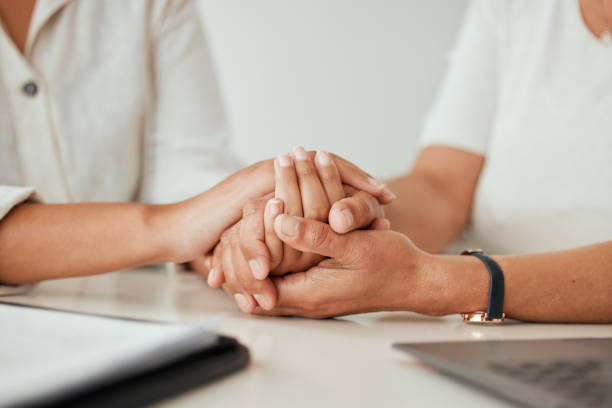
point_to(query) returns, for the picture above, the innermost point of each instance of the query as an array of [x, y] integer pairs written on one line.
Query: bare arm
[[383, 270], [46, 241], [434, 200], [565, 286]]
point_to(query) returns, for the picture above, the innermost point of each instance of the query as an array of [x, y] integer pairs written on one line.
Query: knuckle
[[318, 212], [305, 170], [328, 175], [367, 245], [311, 305], [319, 235], [363, 208], [250, 208]]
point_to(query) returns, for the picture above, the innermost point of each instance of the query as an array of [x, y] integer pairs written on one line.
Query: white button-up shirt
[[111, 101]]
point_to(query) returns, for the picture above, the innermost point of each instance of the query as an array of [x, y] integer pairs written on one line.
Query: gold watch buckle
[[480, 317]]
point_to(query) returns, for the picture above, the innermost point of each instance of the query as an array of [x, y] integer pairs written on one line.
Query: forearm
[[44, 241], [565, 286], [424, 212]]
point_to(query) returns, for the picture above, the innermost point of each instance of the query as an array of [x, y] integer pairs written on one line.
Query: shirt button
[[30, 88]]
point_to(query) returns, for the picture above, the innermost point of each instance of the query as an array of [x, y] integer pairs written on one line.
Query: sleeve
[[463, 112], [10, 196], [187, 148]]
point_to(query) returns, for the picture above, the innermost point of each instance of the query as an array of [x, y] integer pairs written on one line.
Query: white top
[[530, 88], [126, 105]]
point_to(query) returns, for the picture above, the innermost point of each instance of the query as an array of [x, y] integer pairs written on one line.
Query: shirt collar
[[43, 11]]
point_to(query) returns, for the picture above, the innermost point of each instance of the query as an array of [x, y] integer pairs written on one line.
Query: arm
[[45, 241], [434, 200], [383, 270], [565, 286]]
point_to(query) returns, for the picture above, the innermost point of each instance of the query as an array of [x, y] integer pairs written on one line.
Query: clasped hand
[[250, 252]]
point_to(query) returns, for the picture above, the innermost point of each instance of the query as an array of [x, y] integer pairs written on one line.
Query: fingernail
[[274, 207], [242, 302], [263, 301], [347, 216], [212, 277], [300, 153], [289, 226], [284, 160], [389, 194], [259, 272], [322, 157], [376, 183]]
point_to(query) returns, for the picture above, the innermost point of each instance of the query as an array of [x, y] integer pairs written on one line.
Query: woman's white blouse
[[530, 88], [113, 101]]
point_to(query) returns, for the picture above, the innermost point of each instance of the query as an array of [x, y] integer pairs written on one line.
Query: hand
[[191, 228], [366, 271], [310, 189]]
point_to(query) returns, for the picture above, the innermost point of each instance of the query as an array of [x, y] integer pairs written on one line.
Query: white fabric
[[127, 106], [530, 88]]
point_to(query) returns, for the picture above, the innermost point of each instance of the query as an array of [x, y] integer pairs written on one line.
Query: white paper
[[46, 353]]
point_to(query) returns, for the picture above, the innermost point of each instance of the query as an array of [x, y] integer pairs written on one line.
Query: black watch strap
[[495, 308]]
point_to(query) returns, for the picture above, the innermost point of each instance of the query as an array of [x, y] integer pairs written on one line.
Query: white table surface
[[297, 362]]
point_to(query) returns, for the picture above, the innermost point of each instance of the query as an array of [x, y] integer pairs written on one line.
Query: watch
[[495, 308]]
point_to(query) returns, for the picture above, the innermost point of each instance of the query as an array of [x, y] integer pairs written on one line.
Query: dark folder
[[54, 358], [226, 356]]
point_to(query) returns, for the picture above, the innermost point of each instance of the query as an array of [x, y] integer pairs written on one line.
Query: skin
[[250, 250], [444, 179], [361, 275], [69, 238], [596, 15], [16, 16], [376, 270], [90, 238], [373, 270], [575, 283]]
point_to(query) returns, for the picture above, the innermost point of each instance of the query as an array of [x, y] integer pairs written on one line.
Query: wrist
[[452, 284], [159, 232]]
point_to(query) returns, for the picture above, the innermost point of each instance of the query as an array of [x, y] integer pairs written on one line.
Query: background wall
[[354, 77]]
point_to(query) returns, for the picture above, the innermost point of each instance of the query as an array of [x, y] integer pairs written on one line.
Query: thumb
[[308, 235], [354, 212]]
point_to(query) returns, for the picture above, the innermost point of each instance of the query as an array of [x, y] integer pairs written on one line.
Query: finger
[[288, 191], [263, 291], [216, 278], [315, 204], [198, 265], [252, 239], [310, 236], [355, 212], [287, 188], [300, 295], [354, 176], [245, 302], [382, 224], [329, 176], [274, 207], [278, 311], [208, 260]]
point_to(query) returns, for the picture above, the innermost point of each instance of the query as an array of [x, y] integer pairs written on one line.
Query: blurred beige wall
[[354, 77]]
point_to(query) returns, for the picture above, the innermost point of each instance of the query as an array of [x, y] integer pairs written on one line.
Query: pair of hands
[[305, 186]]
